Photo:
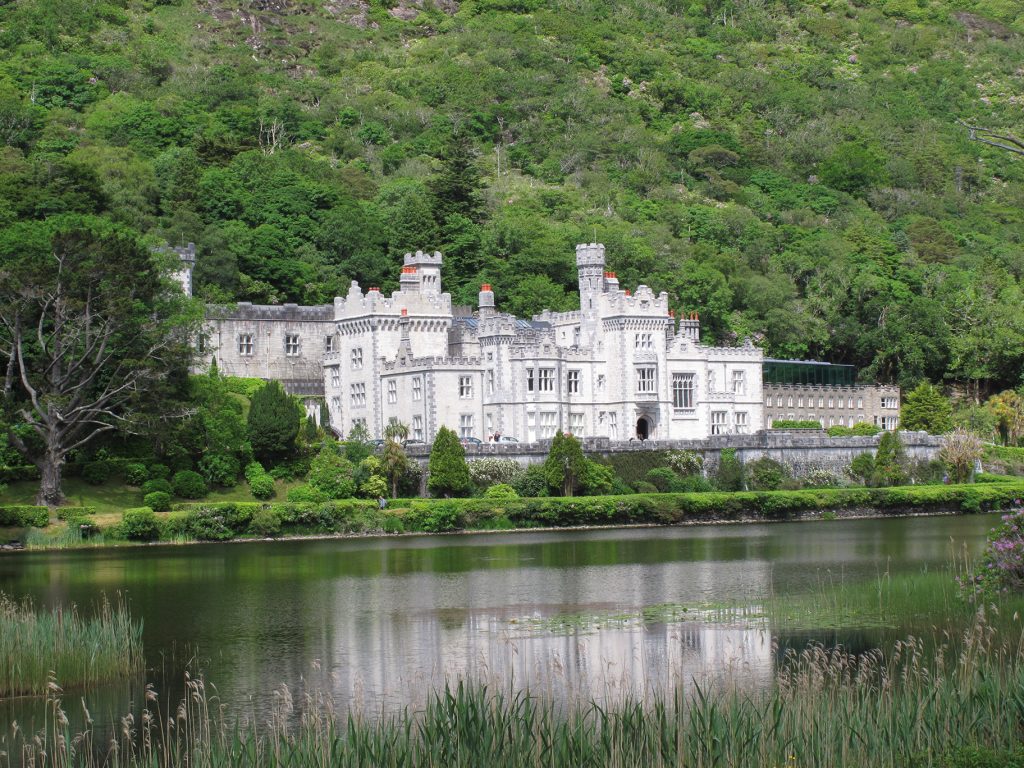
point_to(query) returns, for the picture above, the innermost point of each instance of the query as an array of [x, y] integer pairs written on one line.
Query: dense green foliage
[[331, 473], [449, 473], [24, 515], [925, 408], [565, 465], [274, 420], [793, 171], [220, 521]]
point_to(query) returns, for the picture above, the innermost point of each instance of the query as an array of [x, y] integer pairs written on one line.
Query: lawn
[[115, 497]]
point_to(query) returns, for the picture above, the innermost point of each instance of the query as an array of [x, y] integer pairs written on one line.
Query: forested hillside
[[793, 171]]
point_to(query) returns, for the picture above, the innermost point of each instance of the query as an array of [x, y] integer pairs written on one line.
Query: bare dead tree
[[960, 451], [1000, 140]]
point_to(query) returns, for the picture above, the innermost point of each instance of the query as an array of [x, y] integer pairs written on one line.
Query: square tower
[[427, 270]]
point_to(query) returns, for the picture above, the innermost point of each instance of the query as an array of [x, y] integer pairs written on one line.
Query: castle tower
[[428, 270], [590, 267], [188, 263]]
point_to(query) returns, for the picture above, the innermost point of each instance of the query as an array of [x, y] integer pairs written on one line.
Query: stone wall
[[802, 452]]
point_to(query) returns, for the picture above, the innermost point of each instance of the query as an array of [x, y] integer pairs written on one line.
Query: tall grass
[[828, 708], [37, 647]]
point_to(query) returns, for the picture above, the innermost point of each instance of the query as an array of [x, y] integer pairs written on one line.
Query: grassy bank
[[826, 709], [39, 646], [221, 521]]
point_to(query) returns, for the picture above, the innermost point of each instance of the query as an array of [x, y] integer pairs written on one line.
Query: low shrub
[[187, 484], [140, 524], [1001, 568], [266, 521], [661, 478], [75, 513], [644, 487], [766, 474], [24, 516], [159, 472], [135, 474], [253, 469], [158, 501], [220, 470], [306, 494], [157, 485], [795, 424], [531, 482], [96, 472], [501, 491], [262, 487]]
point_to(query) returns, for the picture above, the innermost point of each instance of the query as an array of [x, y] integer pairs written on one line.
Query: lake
[[378, 623]]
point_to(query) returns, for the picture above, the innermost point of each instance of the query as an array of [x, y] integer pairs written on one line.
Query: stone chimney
[[485, 301]]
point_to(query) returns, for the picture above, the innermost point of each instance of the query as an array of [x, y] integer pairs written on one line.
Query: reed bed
[[38, 647], [906, 707]]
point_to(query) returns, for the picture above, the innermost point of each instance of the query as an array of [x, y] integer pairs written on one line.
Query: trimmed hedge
[[24, 515], [795, 424], [221, 521]]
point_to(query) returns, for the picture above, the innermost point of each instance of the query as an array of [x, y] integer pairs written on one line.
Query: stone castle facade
[[621, 367]]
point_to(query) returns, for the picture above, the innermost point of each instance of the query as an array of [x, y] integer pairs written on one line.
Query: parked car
[[413, 442], [470, 441], [507, 439]]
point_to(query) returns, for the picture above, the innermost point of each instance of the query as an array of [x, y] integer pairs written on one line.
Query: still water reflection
[[382, 622]]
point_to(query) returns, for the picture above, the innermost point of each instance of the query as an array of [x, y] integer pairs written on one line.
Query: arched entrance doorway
[[643, 428]]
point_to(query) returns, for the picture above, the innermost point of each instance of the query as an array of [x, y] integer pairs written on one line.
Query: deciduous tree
[[90, 328]]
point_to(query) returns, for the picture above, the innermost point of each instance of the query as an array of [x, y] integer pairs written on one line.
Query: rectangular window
[[359, 422], [417, 427], [600, 382], [335, 377], [789, 404], [336, 403], [860, 403], [358, 392], [572, 382], [643, 341], [613, 425], [831, 403], [645, 382], [546, 380], [682, 390], [821, 401], [291, 344], [888, 422], [392, 391], [490, 426], [465, 387], [739, 383], [245, 345], [529, 379], [742, 425], [890, 402], [548, 424], [576, 424], [719, 422], [357, 358], [466, 425], [417, 388], [490, 382], [800, 401], [329, 344]]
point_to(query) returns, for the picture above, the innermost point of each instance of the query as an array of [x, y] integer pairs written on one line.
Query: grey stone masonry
[[801, 451], [833, 405]]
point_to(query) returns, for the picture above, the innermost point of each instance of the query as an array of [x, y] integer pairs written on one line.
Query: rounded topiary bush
[[96, 472], [158, 501], [501, 491], [152, 486], [189, 485], [262, 487], [140, 524], [135, 474]]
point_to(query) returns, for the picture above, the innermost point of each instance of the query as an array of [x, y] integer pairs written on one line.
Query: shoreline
[[840, 514]]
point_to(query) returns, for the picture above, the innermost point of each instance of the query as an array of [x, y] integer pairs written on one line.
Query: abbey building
[[621, 367]]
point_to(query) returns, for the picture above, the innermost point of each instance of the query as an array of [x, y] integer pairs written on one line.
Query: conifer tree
[[449, 473], [926, 409], [274, 420], [890, 461], [565, 465]]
